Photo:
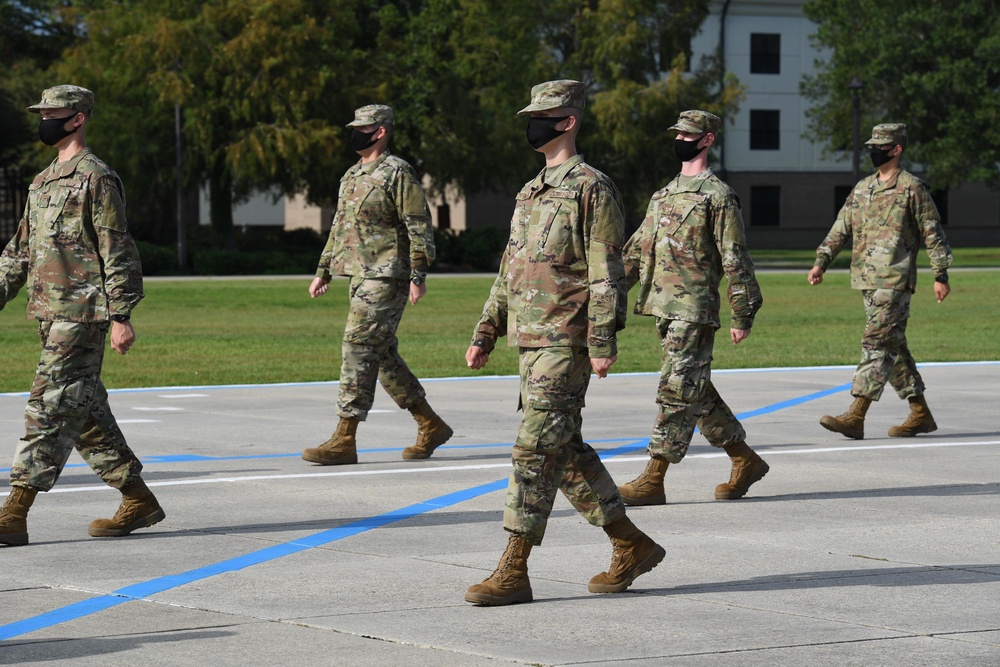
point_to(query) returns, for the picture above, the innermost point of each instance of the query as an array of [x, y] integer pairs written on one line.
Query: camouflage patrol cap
[[888, 134], [372, 114], [65, 97], [555, 94], [697, 122]]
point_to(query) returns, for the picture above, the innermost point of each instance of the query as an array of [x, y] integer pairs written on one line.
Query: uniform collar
[[368, 168], [878, 186], [63, 169], [694, 183], [554, 176]]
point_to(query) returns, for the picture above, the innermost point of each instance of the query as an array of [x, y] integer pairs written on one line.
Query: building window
[[765, 129], [940, 198], [765, 53], [840, 195], [765, 205], [444, 216]]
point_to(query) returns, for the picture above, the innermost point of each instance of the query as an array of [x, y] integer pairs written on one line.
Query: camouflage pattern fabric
[[561, 280], [371, 349], [885, 356], [74, 246], [693, 234], [67, 408], [560, 294], [696, 121], [885, 222], [566, 93], [686, 396], [382, 226], [550, 453]]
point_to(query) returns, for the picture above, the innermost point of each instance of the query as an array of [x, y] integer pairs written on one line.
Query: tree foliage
[[468, 66], [266, 86], [262, 85], [931, 64], [33, 34]]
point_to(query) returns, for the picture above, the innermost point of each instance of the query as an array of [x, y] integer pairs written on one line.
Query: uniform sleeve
[[744, 293], [839, 234], [326, 257], [604, 229], [929, 221], [493, 322], [411, 206], [631, 257], [14, 263], [119, 254]]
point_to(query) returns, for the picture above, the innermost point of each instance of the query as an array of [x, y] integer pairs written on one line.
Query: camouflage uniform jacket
[[382, 226], [561, 281], [691, 235], [884, 222], [74, 245]]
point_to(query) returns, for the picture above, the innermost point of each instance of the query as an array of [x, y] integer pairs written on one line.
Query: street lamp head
[[855, 85]]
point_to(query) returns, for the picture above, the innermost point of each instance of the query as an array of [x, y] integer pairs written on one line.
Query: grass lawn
[[201, 332]]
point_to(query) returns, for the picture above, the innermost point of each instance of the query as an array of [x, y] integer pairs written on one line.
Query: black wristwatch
[[417, 280], [943, 278], [120, 318]]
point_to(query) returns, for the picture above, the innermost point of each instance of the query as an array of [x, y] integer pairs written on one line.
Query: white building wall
[[797, 152]]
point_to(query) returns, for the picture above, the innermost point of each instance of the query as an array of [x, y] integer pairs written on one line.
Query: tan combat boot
[[340, 449], [852, 422], [647, 488], [432, 432], [139, 509], [919, 421], [748, 468], [14, 515], [509, 583], [633, 553]]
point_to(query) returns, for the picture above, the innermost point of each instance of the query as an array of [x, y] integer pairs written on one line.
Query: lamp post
[[855, 86]]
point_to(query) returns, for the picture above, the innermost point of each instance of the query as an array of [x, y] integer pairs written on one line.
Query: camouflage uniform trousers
[[686, 396], [550, 453], [885, 357], [371, 349], [67, 408]]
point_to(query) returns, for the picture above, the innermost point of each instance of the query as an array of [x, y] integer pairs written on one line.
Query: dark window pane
[[840, 195], [765, 53], [444, 216], [940, 198], [765, 205], [765, 129]]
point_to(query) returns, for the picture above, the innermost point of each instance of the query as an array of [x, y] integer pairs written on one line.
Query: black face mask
[[879, 156], [362, 140], [543, 130], [51, 132], [687, 150]]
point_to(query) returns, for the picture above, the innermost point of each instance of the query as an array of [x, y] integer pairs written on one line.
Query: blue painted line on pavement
[[161, 584], [145, 589], [794, 401]]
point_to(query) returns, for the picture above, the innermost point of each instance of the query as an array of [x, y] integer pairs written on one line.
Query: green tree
[[460, 69], [933, 65], [32, 34], [263, 85], [266, 86]]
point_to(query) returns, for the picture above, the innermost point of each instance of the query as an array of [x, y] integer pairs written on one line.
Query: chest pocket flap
[[672, 214]]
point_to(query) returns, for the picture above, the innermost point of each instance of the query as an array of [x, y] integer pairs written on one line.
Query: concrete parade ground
[[849, 552]]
